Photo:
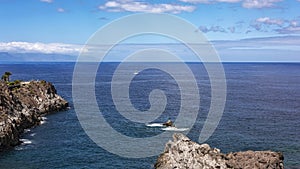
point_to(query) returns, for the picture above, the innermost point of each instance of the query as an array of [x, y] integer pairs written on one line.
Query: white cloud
[[289, 30], [245, 3], [267, 20], [259, 3], [197, 1], [294, 23], [267, 24], [50, 48], [228, 1], [60, 10], [282, 48], [112, 4], [231, 29], [136, 6], [210, 1], [48, 1], [206, 29]]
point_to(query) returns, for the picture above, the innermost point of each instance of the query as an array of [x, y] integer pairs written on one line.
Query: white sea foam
[[19, 148], [23, 144], [26, 130], [43, 121], [44, 118], [155, 125], [32, 134], [26, 141]]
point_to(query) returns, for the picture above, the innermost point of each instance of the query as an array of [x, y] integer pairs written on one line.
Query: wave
[[43, 121], [26, 141], [44, 118], [23, 145], [26, 130]]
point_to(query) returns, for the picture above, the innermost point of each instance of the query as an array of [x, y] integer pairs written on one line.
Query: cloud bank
[[281, 26], [280, 49], [141, 6], [245, 3], [262, 24], [260, 3], [50, 48], [136, 6]]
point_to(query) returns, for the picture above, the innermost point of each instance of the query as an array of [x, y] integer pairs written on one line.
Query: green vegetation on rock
[[5, 76]]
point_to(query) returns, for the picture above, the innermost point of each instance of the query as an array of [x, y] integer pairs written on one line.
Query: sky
[[241, 30]]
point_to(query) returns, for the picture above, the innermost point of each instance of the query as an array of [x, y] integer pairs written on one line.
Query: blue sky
[[234, 26]]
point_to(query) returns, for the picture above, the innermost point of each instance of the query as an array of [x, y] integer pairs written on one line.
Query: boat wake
[[166, 128], [155, 125], [174, 129]]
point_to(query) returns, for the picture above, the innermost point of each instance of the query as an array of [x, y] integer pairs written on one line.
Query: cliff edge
[[22, 106], [182, 153]]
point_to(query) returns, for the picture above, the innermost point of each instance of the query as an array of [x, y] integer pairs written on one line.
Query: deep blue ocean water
[[262, 113]]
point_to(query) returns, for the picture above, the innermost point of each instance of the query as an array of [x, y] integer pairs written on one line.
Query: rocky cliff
[[183, 153], [22, 106]]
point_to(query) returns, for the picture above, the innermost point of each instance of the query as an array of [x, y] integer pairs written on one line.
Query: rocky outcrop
[[22, 106], [182, 153]]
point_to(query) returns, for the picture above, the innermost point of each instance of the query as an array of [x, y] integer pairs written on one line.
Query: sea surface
[[262, 112]]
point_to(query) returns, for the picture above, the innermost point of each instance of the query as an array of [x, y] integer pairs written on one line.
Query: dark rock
[[182, 153], [22, 106]]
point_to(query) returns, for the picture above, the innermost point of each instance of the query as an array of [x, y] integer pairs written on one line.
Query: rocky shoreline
[[22, 106], [182, 153]]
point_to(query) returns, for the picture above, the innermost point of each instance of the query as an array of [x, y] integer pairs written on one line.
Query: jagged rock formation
[[22, 106], [183, 153]]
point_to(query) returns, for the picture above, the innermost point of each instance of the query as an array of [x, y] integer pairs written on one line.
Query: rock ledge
[[182, 153], [23, 106]]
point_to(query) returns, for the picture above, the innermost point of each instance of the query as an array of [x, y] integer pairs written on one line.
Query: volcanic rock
[[182, 153]]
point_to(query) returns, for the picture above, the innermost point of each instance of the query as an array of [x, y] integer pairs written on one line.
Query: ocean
[[262, 112]]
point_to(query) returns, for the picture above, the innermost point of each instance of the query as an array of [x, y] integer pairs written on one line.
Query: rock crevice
[[23, 106]]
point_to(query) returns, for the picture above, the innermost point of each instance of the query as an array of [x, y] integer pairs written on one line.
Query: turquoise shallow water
[[262, 112]]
